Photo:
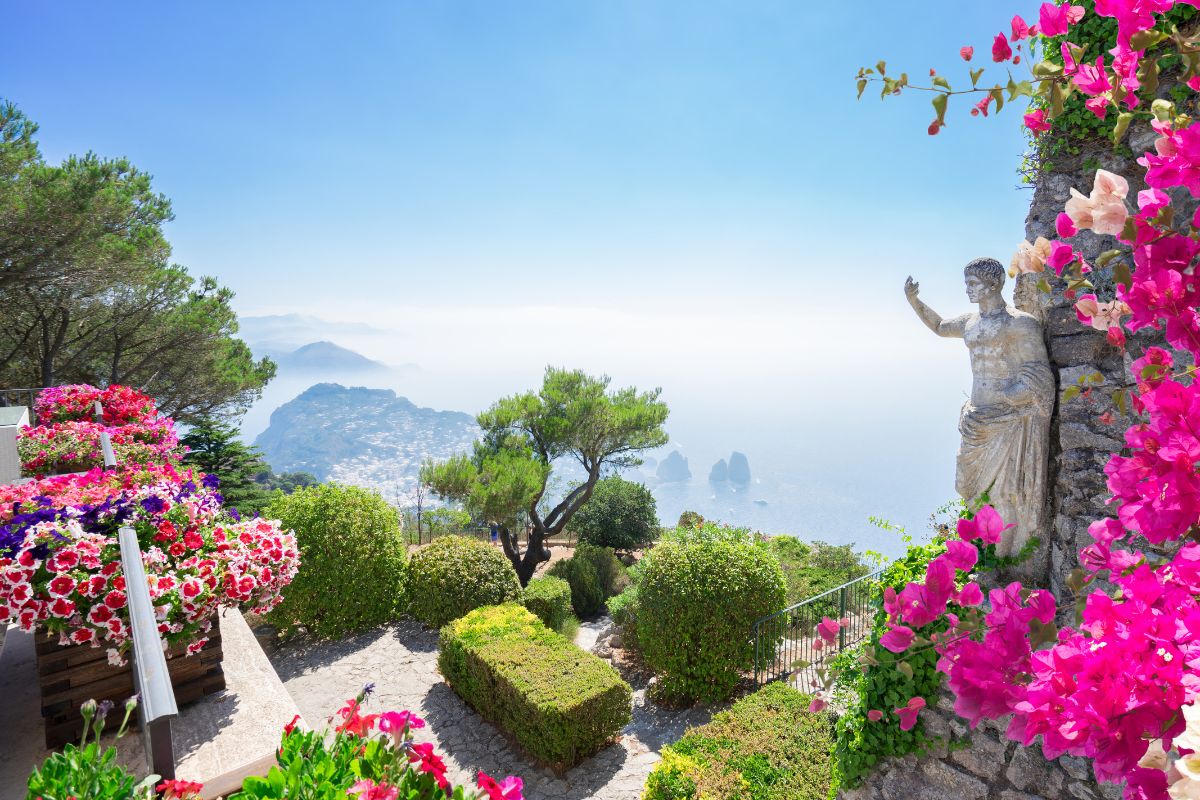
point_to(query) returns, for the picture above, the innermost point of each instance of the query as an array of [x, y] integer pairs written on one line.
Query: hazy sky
[[676, 193]]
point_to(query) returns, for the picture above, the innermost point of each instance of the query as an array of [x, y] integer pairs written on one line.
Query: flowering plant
[[1122, 685], [369, 757], [87, 772], [60, 559], [75, 446], [75, 403]]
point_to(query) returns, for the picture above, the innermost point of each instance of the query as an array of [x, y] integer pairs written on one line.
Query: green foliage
[[87, 771], [689, 519], [216, 447], [351, 560], [90, 295], [861, 743], [811, 569], [587, 595], [313, 766], [620, 514], [559, 703], [697, 600], [765, 747], [573, 416], [609, 569], [550, 599], [1077, 127], [456, 574]]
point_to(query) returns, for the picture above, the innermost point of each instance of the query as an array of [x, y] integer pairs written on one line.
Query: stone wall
[[983, 764], [979, 765]]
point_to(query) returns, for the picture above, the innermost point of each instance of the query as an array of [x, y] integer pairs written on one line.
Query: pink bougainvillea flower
[[1001, 51], [1030, 257], [1100, 316], [898, 639], [1092, 79], [1064, 226], [508, 789], [967, 53], [1036, 122], [985, 525], [874, 715], [970, 595], [370, 790], [1132, 16], [908, 713], [1116, 337], [961, 554], [1020, 29], [1061, 254], [817, 705], [828, 629], [1103, 211], [982, 106], [1053, 19]]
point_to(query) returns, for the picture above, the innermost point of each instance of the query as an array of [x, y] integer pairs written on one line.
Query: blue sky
[[675, 193]]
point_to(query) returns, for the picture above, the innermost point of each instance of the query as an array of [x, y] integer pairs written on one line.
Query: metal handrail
[[776, 653], [151, 680]]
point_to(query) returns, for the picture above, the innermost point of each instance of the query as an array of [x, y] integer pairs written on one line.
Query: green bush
[[620, 514], [765, 747], [609, 569], [560, 703], [550, 599], [698, 599], [689, 519], [587, 595], [812, 569], [454, 575], [352, 554]]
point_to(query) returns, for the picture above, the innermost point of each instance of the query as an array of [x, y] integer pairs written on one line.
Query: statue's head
[[984, 276]]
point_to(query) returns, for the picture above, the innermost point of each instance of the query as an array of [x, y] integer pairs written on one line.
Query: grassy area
[[767, 746]]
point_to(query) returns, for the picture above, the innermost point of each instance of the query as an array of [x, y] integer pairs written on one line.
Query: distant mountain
[[290, 330], [365, 437], [327, 357]]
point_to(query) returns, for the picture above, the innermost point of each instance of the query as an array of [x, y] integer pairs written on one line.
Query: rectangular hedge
[[560, 703]]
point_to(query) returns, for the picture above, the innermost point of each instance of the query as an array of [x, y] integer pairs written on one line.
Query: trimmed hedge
[[352, 560], [767, 746], [560, 703], [550, 599], [454, 575], [587, 595], [699, 596], [609, 569]]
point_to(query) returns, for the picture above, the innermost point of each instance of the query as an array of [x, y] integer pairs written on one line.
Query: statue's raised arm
[[950, 328]]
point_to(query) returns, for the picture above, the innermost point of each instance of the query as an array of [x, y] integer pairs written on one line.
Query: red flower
[[115, 600], [1000, 50], [430, 762], [291, 726], [967, 53], [62, 586], [179, 790]]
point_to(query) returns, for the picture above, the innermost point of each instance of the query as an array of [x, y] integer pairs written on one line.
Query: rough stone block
[[1085, 348], [1028, 769], [984, 758], [1076, 436]]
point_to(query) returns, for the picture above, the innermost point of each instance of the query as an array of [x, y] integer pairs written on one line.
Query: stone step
[[219, 740]]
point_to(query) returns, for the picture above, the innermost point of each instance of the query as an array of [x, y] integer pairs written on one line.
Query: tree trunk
[[524, 563]]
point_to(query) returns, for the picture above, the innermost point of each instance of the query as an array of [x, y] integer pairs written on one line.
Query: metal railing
[[19, 397], [784, 647], [151, 680]]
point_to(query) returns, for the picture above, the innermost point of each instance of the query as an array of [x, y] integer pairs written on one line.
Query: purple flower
[[154, 505], [210, 481]]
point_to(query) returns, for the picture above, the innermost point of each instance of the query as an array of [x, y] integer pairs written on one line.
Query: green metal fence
[[784, 641]]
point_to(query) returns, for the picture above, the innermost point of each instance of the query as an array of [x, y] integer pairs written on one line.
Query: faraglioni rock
[[719, 472], [1005, 425], [739, 468], [673, 468]]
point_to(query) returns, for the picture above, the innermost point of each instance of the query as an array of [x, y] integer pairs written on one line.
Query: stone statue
[[1005, 426]]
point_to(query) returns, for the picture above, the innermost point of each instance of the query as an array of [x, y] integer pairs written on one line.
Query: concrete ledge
[[219, 740]]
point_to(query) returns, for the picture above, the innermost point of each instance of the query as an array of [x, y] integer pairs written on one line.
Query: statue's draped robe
[[1004, 453]]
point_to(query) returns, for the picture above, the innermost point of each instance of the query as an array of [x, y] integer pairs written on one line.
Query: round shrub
[[352, 560], [455, 575], [620, 514], [550, 598], [697, 602], [587, 595], [609, 570]]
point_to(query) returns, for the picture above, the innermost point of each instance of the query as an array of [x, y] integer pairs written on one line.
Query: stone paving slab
[[401, 660]]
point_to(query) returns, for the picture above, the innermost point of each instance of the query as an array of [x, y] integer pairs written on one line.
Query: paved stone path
[[401, 660]]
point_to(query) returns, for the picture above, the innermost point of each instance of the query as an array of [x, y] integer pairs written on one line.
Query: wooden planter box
[[70, 676]]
